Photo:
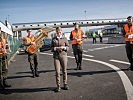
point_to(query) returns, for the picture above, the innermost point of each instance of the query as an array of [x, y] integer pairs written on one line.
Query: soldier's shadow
[[80, 74], [26, 90], [40, 71], [16, 77]]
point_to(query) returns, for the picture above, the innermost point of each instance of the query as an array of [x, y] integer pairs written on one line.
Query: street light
[[85, 18], [85, 14]]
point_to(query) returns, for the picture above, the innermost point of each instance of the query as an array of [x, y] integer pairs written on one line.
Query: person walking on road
[[59, 47], [128, 33], [76, 38], [94, 37], [101, 37], [4, 50], [32, 58]]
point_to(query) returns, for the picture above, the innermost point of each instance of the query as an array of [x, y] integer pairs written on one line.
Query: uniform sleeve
[[67, 45], [25, 43], [82, 33], [52, 46], [123, 31], [71, 36]]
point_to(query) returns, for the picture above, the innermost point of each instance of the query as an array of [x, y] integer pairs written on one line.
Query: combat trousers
[[77, 51], [33, 60], [3, 66], [129, 51], [61, 64]]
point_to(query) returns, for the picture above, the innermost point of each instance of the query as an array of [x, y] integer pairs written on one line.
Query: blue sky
[[22, 11]]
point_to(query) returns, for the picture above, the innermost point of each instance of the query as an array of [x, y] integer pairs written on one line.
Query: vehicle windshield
[[47, 41]]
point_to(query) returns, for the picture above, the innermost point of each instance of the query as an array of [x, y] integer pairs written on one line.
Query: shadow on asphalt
[[42, 71], [25, 90], [15, 77], [80, 74], [29, 72]]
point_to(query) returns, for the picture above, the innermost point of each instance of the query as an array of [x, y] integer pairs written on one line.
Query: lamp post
[[85, 19], [85, 14]]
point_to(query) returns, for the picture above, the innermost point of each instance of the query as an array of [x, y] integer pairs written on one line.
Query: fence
[[14, 45]]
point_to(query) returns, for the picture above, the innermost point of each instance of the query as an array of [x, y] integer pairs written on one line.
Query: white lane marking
[[125, 80], [52, 54], [104, 47], [88, 55], [46, 53], [118, 61], [85, 51]]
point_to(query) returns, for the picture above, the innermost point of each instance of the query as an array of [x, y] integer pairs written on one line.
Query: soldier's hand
[[59, 49], [33, 43], [63, 47], [78, 40], [74, 38], [126, 35], [8, 51]]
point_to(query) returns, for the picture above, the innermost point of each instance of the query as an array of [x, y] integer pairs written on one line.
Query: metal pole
[[85, 19]]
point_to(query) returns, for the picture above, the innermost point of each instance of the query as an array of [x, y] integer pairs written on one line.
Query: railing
[[67, 24], [14, 46]]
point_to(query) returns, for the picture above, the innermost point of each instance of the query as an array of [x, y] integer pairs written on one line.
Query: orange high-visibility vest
[[33, 38], [128, 31], [30, 39], [77, 35], [4, 40], [2, 47]]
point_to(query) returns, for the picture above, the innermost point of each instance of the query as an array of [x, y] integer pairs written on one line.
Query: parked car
[[47, 45], [21, 50]]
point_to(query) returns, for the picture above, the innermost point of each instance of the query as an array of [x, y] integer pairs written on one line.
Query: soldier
[[59, 48], [101, 37], [4, 50], [32, 58], [94, 37], [128, 33], [76, 37]]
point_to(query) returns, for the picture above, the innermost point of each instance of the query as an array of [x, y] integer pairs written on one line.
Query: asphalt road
[[104, 76]]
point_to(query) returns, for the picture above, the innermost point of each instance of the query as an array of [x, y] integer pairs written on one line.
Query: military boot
[[77, 66], [36, 73], [6, 84], [33, 73], [1, 84], [131, 67], [58, 89], [80, 68], [66, 87]]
